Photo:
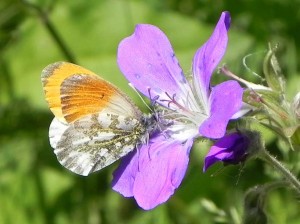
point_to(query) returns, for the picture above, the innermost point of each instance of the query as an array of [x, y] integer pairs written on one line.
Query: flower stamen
[[172, 100]]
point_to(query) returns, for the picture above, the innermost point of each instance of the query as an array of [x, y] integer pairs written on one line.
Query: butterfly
[[95, 123]]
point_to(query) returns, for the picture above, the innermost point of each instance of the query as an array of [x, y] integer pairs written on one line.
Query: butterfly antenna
[[130, 84]]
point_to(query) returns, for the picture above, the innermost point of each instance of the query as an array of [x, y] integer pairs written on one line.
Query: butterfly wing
[[95, 123], [73, 92], [52, 77], [94, 141]]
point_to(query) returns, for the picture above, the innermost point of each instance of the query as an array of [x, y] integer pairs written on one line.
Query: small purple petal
[[162, 167], [231, 149], [210, 54], [124, 175], [225, 100], [147, 60]]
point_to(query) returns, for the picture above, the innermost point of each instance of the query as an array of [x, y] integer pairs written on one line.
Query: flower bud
[[254, 206], [233, 148]]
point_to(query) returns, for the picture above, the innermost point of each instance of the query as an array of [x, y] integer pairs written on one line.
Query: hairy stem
[[286, 173]]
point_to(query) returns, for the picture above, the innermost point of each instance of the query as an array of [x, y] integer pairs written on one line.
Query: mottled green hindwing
[[94, 141]]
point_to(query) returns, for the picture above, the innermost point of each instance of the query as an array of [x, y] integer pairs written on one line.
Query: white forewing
[[121, 104]]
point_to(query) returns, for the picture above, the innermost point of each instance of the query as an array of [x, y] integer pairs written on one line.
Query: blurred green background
[[34, 188]]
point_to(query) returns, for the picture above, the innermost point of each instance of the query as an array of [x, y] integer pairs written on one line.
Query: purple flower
[[231, 149], [146, 58]]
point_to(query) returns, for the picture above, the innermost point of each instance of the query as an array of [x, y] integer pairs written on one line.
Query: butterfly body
[[95, 123]]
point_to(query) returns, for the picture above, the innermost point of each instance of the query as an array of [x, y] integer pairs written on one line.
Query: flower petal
[[124, 175], [147, 60], [225, 100], [162, 167], [209, 55], [231, 149]]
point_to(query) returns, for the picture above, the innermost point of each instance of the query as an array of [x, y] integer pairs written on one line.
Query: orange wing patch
[[83, 94], [52, 77]]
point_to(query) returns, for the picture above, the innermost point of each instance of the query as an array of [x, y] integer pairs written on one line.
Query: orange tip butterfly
[[95, 123]]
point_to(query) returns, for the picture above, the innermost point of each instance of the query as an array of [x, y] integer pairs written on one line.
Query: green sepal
[[295, 138], [272, 72], [271, 103]]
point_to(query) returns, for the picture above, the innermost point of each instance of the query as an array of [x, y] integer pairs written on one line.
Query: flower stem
[[288, 175], [52, 31]]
